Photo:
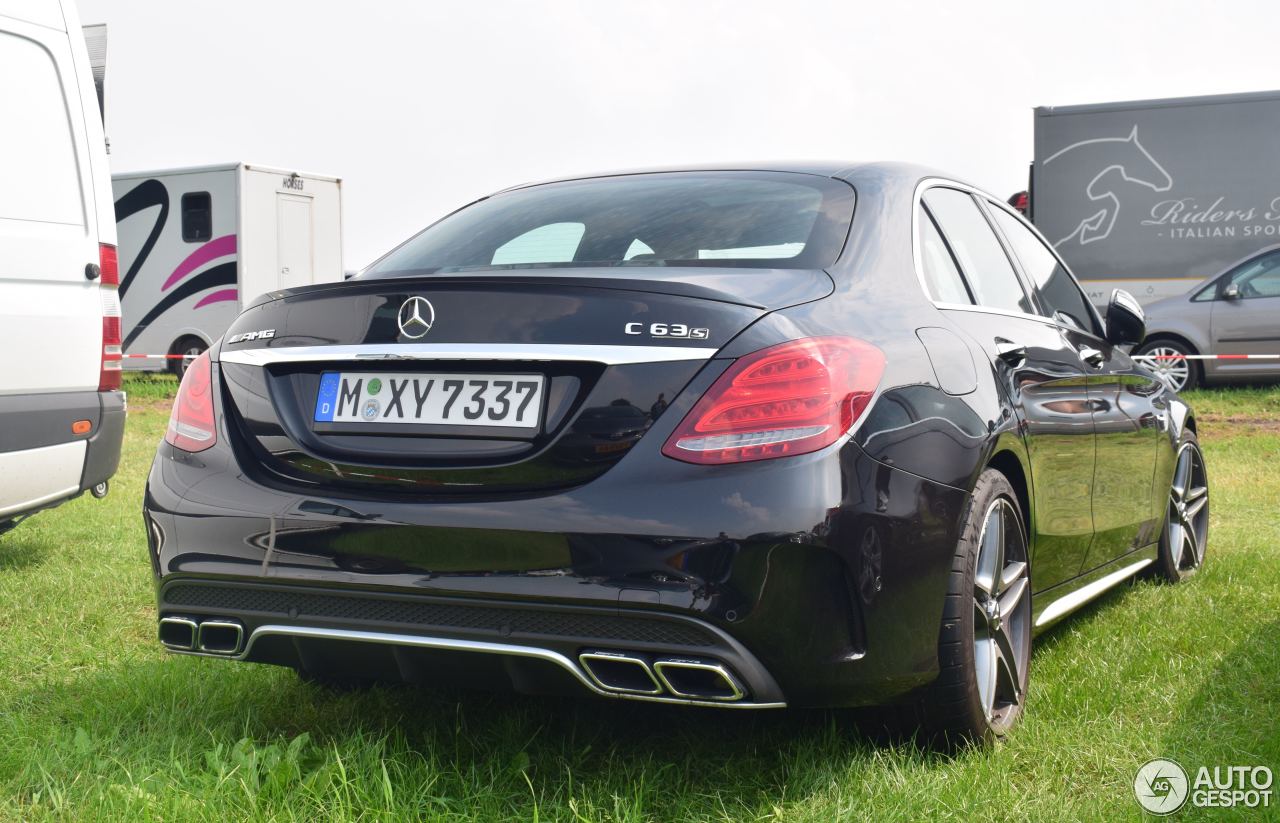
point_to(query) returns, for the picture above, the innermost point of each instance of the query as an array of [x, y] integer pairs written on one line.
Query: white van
[[61, 409], [197, 244]]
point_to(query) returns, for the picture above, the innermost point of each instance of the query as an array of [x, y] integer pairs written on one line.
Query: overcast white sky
[[423, 106]]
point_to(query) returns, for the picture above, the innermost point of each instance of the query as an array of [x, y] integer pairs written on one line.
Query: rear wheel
[[984, 648], [190, 348], [1186, 520], [1169, 363]]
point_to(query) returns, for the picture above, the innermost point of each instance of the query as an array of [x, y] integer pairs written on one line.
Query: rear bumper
[[42, 461], [815, 580], [520, 646]]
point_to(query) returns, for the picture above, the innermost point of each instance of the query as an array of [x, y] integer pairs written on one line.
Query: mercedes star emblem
[[416, 317]]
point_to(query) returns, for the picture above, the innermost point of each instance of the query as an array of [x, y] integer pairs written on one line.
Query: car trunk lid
[[608, 350]]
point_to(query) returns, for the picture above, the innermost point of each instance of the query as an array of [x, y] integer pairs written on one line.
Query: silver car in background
[[1234, 312]]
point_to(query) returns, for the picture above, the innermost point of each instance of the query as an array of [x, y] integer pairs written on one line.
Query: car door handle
[[1092, 356], [1010, 352]]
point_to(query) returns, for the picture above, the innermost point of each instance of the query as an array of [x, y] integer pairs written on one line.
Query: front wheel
[[984, 647], [1186, 519]]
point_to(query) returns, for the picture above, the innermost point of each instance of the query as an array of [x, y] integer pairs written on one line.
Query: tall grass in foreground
[[97, 723]]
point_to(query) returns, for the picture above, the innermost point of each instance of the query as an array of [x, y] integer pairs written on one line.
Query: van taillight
[[788, 399], [192, 426], [109, 266]]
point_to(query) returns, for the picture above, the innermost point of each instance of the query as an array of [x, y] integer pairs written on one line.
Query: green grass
[[1246, 401], [151, 386], [96, 722]]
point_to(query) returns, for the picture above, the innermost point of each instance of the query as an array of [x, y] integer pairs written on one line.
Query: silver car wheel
[[1187, 520], [1001, 615], [1169, 365]]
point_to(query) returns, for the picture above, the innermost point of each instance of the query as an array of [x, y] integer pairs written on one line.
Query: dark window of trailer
[[197, 217]]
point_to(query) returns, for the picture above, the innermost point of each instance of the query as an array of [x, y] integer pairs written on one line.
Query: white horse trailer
[[197, 244]]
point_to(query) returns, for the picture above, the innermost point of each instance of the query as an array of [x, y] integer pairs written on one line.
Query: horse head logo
[[1100, 201]]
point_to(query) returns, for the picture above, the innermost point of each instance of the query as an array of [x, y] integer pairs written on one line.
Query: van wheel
[[191, 347]]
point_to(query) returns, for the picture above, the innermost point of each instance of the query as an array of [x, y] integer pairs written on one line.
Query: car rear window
[[739, 219]]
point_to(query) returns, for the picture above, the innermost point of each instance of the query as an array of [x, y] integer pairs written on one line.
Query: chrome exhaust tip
[[698, 680], [220, 637], [178, 633], [618, 672]]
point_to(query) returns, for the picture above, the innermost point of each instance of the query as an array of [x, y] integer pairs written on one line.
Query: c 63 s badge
[[678, 330], [251, 335]]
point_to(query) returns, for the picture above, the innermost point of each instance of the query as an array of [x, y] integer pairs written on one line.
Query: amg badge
[[251, 335]]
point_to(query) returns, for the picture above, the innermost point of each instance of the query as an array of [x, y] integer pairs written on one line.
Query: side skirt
[[1056, 603]]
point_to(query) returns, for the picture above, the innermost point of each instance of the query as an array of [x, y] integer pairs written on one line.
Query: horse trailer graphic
[[197, 244], [1134, 164], [1153, 196]]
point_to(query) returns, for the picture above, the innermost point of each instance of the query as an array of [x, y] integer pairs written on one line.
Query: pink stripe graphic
[[217, 297], [218, 247]]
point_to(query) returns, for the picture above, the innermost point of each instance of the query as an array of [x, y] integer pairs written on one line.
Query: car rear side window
[[1060, 297], [735, 219], [941, 277], [197, 217], [982, 258], [39, 174]]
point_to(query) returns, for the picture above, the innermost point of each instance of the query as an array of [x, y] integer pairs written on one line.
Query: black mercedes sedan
[[819, 435]]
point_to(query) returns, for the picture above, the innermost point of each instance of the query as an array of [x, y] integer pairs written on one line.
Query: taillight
[[108, 265], [788, 399], [109, 268], [192, 426]]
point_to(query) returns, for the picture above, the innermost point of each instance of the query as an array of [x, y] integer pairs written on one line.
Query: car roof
[[881, 172]]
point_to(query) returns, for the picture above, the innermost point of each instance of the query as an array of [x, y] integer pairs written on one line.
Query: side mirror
[[1231, 292], [1126, 323]]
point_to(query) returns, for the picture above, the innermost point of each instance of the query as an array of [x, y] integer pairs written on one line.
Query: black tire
[[982, 615], [185, 345], [1185, 536], [1171, 371]]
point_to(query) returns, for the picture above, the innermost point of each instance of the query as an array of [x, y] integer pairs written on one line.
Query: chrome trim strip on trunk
[[1073, 600], [373, 352], [451, 644]]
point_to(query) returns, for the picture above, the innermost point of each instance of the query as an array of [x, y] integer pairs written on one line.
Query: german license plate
[[446, 399]]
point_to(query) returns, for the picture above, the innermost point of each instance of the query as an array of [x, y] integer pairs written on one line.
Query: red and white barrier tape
[[1206, 357], [163, 356]]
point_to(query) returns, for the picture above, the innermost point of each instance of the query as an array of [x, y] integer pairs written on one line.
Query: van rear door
[[50, 312]]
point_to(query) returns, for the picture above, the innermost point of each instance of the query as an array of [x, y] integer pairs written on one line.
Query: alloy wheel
[[1170, 366], [1187, 520], [1001, 615]]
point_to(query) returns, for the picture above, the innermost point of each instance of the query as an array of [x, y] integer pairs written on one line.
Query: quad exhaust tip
[[212, 636], [178, 633], [618, 672], [686, 679], [220, 636], [698, 679]]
